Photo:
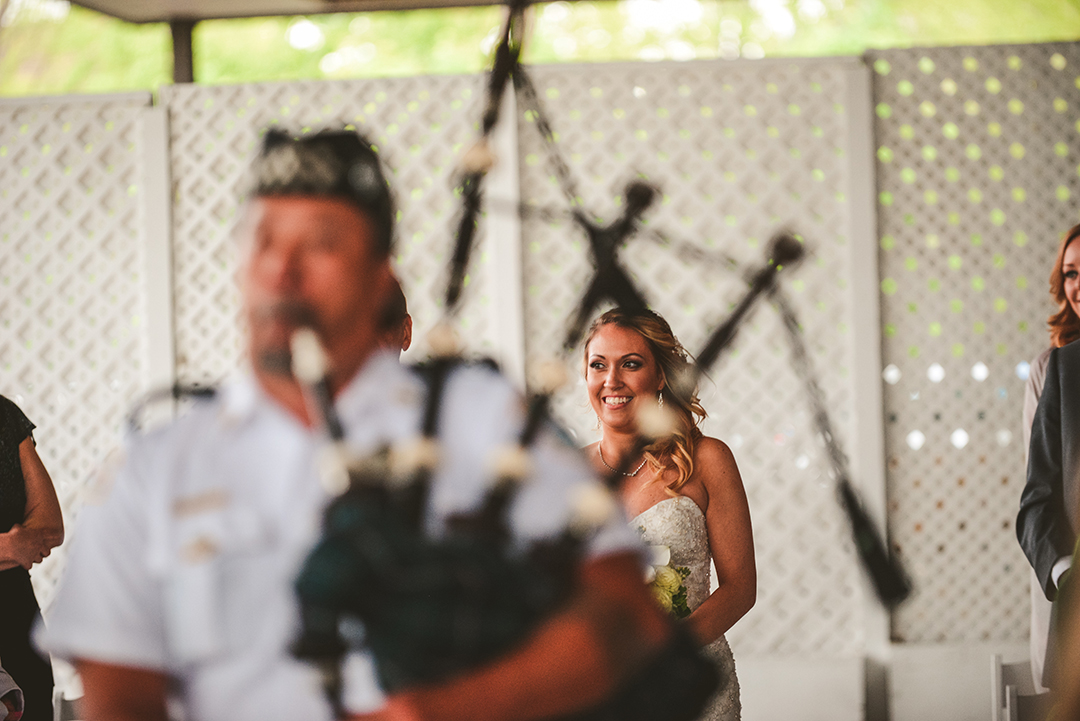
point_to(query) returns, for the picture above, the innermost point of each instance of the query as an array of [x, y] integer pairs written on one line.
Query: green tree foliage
[[80, 52], [47, 47], [344, 45]]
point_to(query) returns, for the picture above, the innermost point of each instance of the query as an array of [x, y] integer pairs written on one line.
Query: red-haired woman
[[1064, 329]]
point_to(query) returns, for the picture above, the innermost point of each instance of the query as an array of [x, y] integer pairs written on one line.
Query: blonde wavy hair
[[1064, 325], [676, 450]]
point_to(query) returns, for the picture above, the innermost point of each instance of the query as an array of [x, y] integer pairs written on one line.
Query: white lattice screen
[[778, 160], [977, 173], [420, 126], [72, 302], [739, 150]]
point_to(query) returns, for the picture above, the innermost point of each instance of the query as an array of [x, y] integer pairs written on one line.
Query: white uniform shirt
[[186, 563]]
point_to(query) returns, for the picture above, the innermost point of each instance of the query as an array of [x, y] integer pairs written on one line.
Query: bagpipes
[[612, 282], [433, 607], [469, 596]]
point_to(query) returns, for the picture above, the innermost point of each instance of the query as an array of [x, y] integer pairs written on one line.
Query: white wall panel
[[977, 178], [72, 295], [740, 150], [420, 126], [976, 166]]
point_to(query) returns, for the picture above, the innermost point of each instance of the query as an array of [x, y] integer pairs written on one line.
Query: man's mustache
[[287, 311]]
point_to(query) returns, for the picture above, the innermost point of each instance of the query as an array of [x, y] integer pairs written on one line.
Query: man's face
[[310, 262]]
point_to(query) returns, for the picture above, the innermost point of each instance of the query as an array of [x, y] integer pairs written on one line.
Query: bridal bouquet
[[666, 582]]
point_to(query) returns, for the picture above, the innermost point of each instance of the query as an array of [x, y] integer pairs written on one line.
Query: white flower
[[662, 597], [668, 579]]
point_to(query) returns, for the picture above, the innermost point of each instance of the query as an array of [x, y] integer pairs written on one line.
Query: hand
[[397, 708], [27, 546], [13, 712]]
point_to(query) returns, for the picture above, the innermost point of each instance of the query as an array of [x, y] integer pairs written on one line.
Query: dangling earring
[[598, 423], [660, 400]]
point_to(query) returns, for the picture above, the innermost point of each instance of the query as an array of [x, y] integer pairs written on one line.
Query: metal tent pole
[[183, 63]]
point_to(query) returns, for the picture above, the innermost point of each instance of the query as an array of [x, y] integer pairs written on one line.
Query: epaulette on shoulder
[[175, 392], [425, 367]]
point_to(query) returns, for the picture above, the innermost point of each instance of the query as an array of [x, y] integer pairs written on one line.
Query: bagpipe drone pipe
[[613, 282], [429, 607]]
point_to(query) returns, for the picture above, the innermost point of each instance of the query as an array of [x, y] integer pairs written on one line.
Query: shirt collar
[[381, 376], [240, 394], [380, 380]]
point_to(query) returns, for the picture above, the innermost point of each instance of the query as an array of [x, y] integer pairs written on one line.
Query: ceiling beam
[[148, 11]]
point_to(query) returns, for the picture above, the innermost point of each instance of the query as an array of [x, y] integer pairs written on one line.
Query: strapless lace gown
[[679, 524]]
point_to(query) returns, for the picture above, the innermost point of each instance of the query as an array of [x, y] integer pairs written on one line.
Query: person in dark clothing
[[31, 525]]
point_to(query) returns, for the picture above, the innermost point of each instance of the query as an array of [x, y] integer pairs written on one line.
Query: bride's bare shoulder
[[715, 468], [713, 451]]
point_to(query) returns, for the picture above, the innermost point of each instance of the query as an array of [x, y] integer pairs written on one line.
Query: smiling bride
[[684, 491]]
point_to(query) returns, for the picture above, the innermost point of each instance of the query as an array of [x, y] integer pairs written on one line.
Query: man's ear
[[406, 333]]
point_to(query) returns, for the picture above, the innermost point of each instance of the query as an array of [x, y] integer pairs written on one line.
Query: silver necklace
[[600, 451]]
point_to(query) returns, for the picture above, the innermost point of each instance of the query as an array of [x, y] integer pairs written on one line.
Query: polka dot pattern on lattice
[[738, 151], [977, 153]]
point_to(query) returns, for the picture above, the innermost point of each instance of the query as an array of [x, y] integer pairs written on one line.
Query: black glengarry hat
[[332, 163]]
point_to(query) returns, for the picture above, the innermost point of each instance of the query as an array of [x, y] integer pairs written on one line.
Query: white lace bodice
[[679, 524]]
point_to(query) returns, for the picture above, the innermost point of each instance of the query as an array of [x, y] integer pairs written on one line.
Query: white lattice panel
[[72, 305], [420, 126], [977, 174], [739, 150]]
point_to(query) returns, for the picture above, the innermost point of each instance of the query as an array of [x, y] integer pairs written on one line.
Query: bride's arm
[[731, 541]]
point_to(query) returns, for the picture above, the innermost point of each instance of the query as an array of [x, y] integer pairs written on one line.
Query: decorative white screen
[[420, 126], [72, 302], [977, 176], [739, 150]]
